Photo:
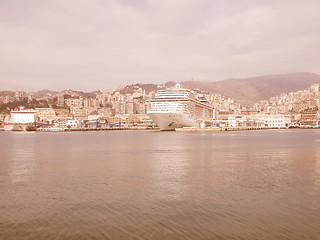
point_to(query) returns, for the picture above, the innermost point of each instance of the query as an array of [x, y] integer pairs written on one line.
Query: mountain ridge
[[248, 91]]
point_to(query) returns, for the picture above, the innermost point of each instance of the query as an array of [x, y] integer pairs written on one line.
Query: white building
[[45, 114], [236, 121], [260, 120], [73, 123], [73, 102], [275, 121]]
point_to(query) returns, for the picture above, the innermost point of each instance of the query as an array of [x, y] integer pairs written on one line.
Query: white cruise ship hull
[[167, 121], [18, 127], [20, 120], [178, 108]]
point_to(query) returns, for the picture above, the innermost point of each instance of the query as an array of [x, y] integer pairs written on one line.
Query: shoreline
[[186, 129]]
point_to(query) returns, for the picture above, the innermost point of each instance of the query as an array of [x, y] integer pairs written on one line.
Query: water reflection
[[22, 160], [168, 174], [160, 185], [168, 168]]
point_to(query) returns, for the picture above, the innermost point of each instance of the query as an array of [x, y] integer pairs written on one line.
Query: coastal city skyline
[[159, 119], [133, 105], [103, 44]]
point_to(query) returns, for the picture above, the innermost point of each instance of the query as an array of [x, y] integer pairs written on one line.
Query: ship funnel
[[178, 86]]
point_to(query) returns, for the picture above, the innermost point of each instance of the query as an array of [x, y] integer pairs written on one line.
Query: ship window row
[[172, 94], [164, 96]]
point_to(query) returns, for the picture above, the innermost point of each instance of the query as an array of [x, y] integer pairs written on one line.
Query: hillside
[[245, 91], [251, 90]]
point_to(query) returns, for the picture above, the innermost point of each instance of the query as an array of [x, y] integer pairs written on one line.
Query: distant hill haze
[[246, 91], [249, 91]]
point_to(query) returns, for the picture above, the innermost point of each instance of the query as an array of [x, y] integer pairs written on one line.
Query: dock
[[194, 129], [91, 129]]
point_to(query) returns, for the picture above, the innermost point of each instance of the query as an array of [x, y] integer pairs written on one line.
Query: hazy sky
[[99, 44]]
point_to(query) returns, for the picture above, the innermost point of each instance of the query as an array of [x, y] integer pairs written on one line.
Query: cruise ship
[[178, 107], [20, 120]]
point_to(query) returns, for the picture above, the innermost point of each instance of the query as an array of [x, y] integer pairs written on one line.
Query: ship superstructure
[[178, 107], [20, 120]]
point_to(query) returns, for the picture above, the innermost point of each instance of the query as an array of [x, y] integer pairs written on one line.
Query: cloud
[[99, 44]]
